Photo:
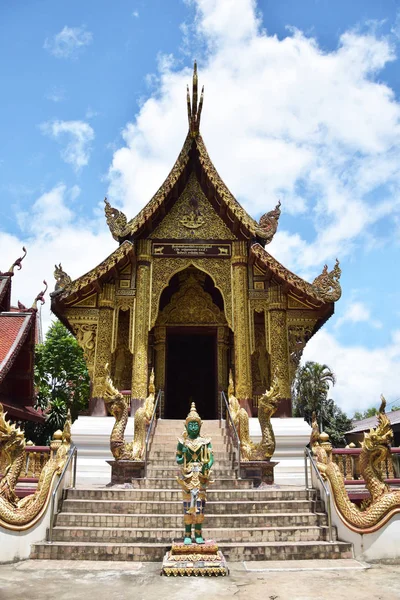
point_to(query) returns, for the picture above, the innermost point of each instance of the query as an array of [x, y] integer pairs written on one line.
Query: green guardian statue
[[194, 455]]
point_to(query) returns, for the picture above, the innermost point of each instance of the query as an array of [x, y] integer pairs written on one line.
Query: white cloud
[[281, 119], [362, 374], [53, 232], [135, 14], [357, 312], [68, 42], [79, 135]]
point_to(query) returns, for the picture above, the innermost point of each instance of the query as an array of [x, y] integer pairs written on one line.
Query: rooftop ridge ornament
[[16, 263], [63, 280], [40, 297], [116, 220], [194, 109], [327, 285]]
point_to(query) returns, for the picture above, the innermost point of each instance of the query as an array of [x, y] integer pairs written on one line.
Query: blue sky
[[302, 104]]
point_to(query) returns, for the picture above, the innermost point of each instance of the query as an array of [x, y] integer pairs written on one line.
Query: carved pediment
[[191, 305], [192, 217]]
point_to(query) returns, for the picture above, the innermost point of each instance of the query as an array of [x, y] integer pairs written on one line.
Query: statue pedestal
[[194, 559], [123, 471], [260, 471]]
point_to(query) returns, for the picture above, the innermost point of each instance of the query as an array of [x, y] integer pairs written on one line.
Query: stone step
[[167, 495], [65, 519], [160, 472], [167, 455], [227, 483], [213, 507], [154, 552], [222, 463], [111, 535]]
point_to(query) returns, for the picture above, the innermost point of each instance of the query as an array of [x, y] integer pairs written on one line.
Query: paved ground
[[293, 580]]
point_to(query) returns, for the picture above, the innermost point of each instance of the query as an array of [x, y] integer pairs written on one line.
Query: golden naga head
[[193, 416], [10, 434], [382, 435]]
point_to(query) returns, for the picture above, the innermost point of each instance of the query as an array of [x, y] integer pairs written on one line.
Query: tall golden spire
[[194, 109]]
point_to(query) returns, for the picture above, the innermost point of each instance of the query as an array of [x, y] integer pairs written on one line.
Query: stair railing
[[309, 456], [224, 401], [153, 421], [72, 455]]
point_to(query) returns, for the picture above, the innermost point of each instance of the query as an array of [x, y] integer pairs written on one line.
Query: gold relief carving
[[124, 292], [122, 357], [243, 383], [103, 349], [124, 283], [278, 344], [192, 216], [89, 302], [298, 336], [222, 348], [165, 268], [160, 337], [126, 270], [260, 367], [191, 305], [107, 296], [259, 285], [104, 267], [257, 272], [85, 334], [142, 312], [296, 303]]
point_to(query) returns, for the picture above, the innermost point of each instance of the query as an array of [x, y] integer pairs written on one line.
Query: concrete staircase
[[140, 524]]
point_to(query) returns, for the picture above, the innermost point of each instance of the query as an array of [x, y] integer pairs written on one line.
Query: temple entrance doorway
[[191, 372]]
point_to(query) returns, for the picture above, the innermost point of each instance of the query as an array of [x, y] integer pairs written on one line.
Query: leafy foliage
[[310, 393], [62, 382]]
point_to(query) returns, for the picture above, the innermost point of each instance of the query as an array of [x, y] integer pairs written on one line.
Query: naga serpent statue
[[375, 448], [20, 514], [267, 405], [118, 407]]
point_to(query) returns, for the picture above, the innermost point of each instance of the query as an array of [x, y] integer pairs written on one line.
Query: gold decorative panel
[[192, 217]]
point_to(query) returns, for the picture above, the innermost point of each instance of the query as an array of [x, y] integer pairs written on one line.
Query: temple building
[[19, 332], [192, 292]]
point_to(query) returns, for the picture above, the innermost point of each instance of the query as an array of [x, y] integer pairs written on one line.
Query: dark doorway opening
[[191, 374]]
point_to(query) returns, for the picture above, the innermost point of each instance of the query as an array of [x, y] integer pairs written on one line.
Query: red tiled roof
[[14, 327]]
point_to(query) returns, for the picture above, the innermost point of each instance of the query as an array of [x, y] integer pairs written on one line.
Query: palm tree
[[310, 389]]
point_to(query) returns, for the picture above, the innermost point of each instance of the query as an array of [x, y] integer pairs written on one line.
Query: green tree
[[310, 389], [62, 382], [370, 412]]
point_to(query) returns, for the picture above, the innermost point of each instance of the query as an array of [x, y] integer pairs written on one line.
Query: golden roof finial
[[194, 108]]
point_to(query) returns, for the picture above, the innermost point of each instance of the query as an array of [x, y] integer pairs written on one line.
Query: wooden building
[[18, 335], [191, 291]]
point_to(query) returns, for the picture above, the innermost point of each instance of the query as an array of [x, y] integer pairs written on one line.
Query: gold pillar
[[243, 384], [103, 345], [142, 317], [160, 338], [222, 362], [279, 353]]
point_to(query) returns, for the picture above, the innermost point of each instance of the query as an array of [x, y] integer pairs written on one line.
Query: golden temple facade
[[191, 292]]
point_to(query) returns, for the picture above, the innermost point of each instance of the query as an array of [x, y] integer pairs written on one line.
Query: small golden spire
[[194, 108], [193, 415]]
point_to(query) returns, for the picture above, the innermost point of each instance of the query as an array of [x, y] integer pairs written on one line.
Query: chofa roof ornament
[[63, 280], [116, 220], [268, 223], [16, 263]]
